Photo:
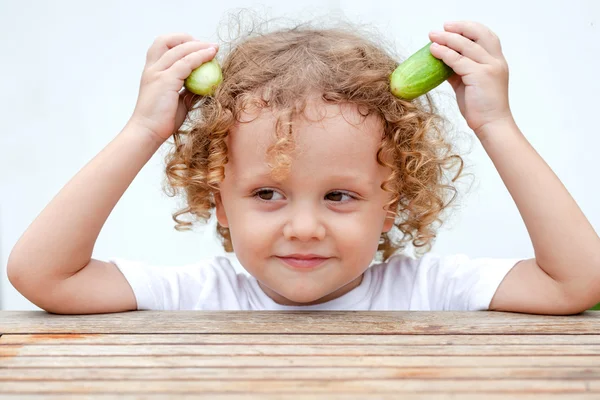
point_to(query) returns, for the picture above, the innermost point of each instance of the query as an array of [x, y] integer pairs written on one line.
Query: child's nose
[[304, 224]]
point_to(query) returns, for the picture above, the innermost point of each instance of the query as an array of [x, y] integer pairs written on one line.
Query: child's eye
[[266, 194], [338, 197], [271, 195]]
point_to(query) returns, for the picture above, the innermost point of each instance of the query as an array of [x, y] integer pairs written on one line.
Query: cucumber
[[205, 79], [420, 73]]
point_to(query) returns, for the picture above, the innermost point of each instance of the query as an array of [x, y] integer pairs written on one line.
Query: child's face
[[312, 211]]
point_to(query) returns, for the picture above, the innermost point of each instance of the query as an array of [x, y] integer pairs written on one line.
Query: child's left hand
[[480, 81]]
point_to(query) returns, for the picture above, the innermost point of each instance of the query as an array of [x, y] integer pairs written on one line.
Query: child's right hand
[[161, 108]]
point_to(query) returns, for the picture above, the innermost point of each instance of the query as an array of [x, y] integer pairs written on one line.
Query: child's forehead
[[337, 143], [324, 126]]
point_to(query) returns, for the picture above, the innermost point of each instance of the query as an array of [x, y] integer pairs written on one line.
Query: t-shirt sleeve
[[461, 283], [210, 284], [155, 287]]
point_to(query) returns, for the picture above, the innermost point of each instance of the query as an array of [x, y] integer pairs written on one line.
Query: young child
[[312, 167]]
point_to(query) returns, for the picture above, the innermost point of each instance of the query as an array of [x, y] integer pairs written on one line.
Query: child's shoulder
[[209, 283], [403, 260], [442, 282], [210, 269], [432, 264]]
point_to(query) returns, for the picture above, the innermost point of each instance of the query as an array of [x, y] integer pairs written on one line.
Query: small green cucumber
[[420, 73], [205, 79]]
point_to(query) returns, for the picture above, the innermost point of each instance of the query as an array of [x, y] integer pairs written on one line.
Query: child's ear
[[389, 222], [220, 211]]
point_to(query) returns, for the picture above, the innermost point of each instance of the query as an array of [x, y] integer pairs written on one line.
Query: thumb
[[185, 103], [455, 81], [188, 98]]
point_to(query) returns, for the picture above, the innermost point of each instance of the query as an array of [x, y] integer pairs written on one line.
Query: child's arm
[[564, 276], [51, 263]]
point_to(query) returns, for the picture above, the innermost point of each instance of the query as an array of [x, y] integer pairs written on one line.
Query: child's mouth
[[303, 262]]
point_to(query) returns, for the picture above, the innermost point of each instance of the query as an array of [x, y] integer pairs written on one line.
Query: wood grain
[[308, 396], [299, 355], [290, 350], [140, 361], [365, 387], [297, 373], [295, 339], [308, 322]]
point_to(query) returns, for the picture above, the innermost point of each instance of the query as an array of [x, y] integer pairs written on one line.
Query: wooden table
[[299, 355]]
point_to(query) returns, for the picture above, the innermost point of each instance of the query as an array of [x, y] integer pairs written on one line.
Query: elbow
[[582, 296], [26, 286], [16, 268], [14, 273]]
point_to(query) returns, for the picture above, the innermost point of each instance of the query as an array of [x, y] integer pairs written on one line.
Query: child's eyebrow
[[354, 178], [359, 179], [249, 175]]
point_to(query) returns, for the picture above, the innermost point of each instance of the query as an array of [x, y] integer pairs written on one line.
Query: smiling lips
[[303, 260]]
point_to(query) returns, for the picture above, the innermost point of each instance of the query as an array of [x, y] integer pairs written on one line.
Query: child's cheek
[[258, 227]]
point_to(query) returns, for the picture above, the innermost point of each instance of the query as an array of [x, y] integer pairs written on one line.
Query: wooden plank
[[298, 339], [298, 361], [295, 373], [306, 350], [313, 322], [304, 386], [308, 396]]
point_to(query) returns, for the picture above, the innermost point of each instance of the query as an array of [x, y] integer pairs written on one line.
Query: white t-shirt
[[402, 283]]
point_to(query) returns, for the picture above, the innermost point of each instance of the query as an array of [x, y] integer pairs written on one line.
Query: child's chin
[[304, 298]]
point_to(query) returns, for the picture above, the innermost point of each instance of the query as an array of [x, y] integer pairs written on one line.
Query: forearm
[[566, 246], [59, 242]]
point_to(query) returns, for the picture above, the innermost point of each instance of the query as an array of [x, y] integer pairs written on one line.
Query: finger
[[184, 67], [462, 45], [480, 34], [178, 52], [460, 64], [164, 43]]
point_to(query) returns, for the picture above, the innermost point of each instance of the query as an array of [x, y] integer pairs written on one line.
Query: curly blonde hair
[[280, 70]]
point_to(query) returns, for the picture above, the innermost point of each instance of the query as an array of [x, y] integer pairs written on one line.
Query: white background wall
[[69, 76]]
